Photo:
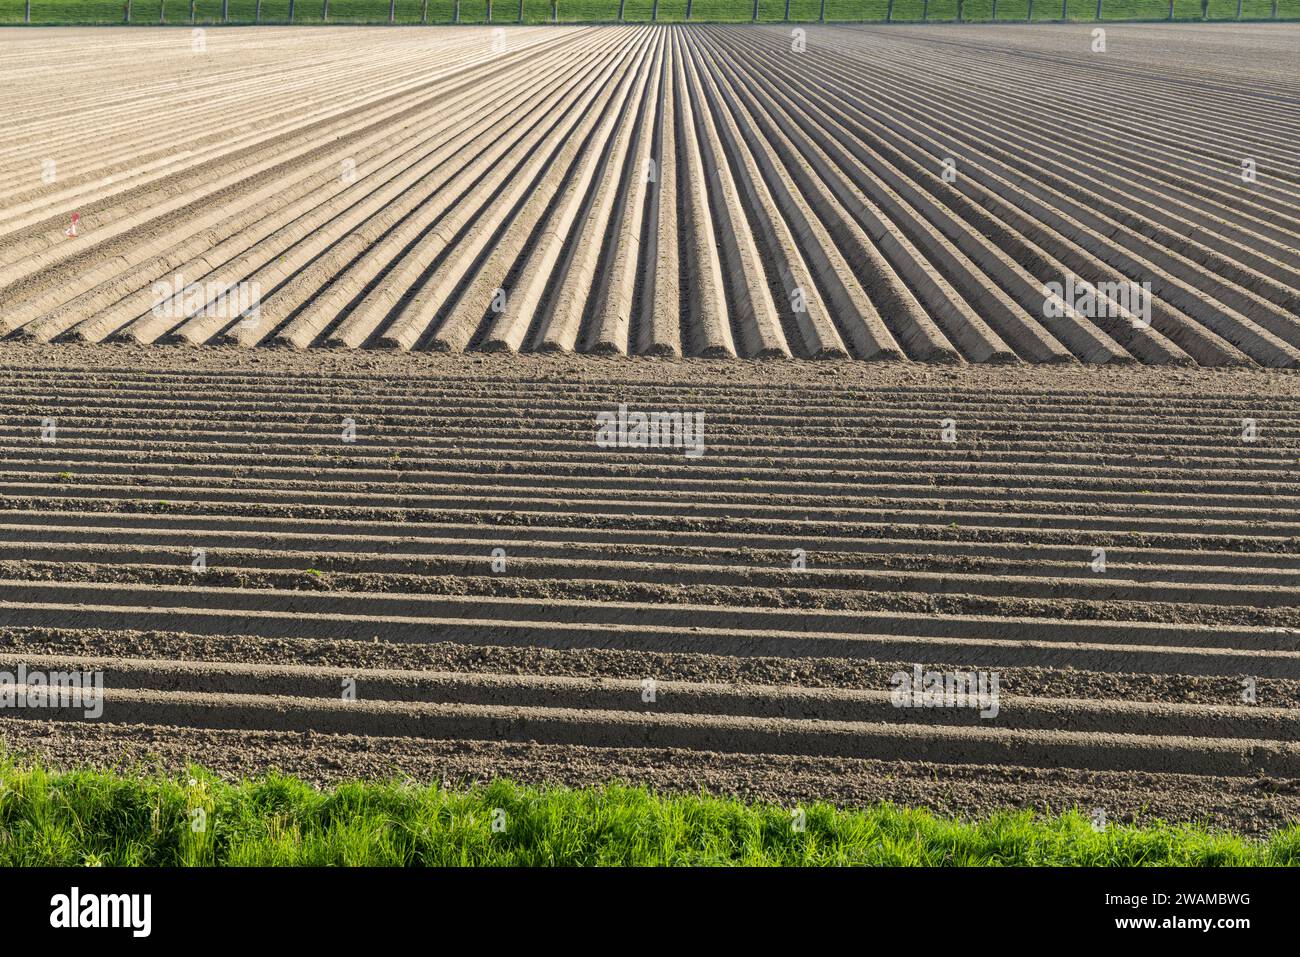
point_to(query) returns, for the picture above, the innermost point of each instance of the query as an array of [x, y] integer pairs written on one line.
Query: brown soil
[[370, 561], [661, 191]]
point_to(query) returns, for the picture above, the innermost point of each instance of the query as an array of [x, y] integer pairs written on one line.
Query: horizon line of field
[[537, 12]]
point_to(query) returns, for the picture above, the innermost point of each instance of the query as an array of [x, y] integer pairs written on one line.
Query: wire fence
[[143, 12]]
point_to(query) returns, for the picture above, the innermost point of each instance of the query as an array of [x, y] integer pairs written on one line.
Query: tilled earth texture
[[406, 555], [343, 563], [861, 192]]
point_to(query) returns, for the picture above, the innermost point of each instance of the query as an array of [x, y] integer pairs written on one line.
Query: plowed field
[[380, 560], [370, 561], [861, 192]]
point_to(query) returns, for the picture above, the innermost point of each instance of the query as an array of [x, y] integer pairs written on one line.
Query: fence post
[[128, 11], [654, 12], [1029, 17], [555, 11], [925, 9], [621, 4], [1238, 9], [821, 16], [191, 11], [1171, 10], [960, 9], [325, 11], [257, 14], [1274, 9], [424, 11], [455, 14], [754, 18], [521, 11], [889, 10], [688, 9], [489, 11], [291, 4], [225, 11], [27, 12], [162, 11], [1099, 2], [392, 10], [1065, 10], [994, 14], [1205, 9]]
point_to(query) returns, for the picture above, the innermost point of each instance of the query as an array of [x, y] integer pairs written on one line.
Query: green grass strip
[[104, 818]]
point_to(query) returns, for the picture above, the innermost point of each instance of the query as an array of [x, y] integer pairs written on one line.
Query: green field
[[668, 11], [96, 818]]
